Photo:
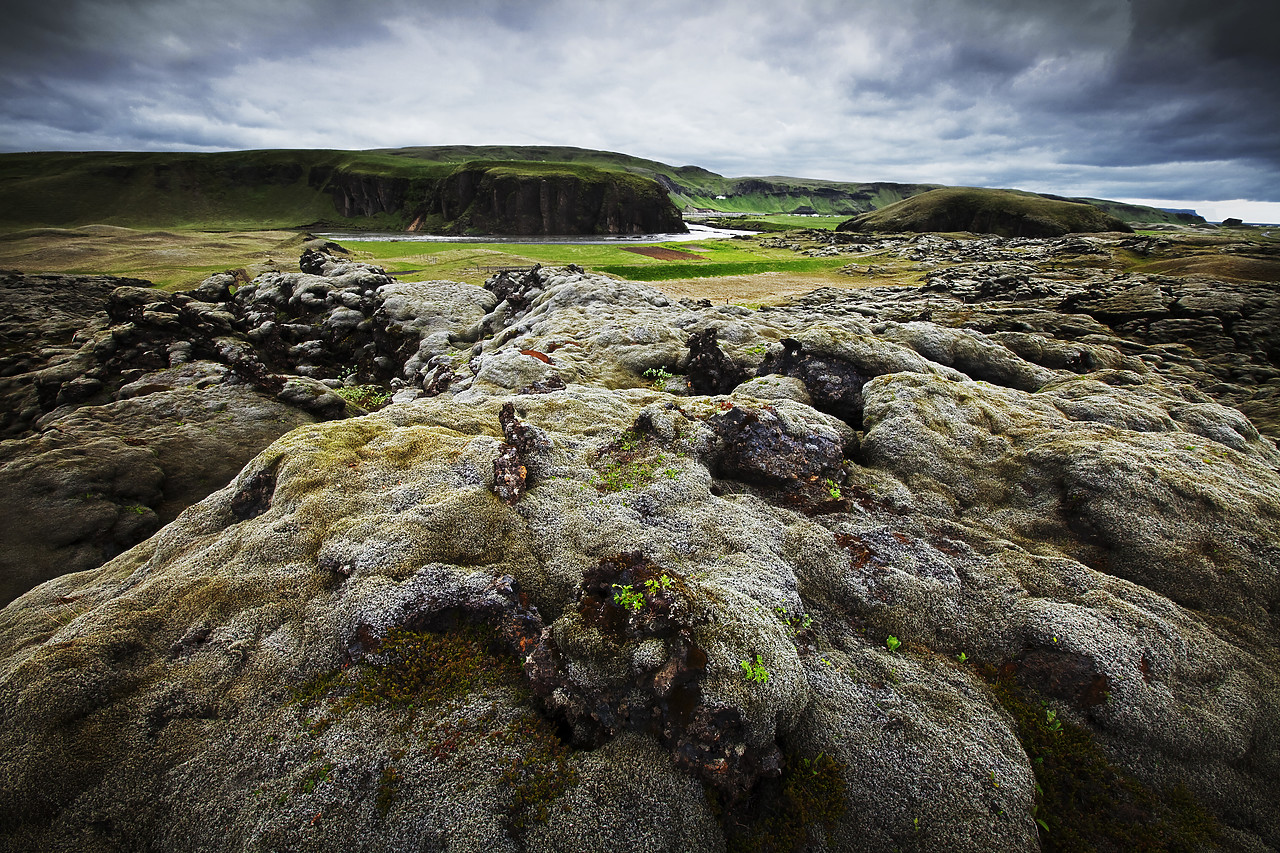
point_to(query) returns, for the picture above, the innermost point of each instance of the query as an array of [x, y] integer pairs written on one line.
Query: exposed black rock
[[707, 741], [254, 498], [516, 288], [709, 370], [835, 385]]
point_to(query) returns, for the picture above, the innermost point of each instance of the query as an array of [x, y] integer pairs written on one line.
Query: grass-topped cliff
[[1008, 213], [290, 189], [444, 189]]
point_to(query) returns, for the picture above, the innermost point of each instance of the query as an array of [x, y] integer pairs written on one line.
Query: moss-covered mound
[[1004, 212]]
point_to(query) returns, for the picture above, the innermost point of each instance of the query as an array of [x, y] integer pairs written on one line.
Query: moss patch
[[368, 397], [539, 775], [632, 462], [423, 668], [1083, 801], [421, 672], [784, 814]]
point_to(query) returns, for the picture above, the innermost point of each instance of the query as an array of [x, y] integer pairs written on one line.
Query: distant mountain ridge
[[438, 189]]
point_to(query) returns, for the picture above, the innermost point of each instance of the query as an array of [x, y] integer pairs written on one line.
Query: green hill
[[309, 188], [444, 189], [1009, 213]]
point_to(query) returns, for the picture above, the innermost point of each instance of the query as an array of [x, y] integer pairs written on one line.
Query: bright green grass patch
[[463, 260], [791, 220], [670, 272]]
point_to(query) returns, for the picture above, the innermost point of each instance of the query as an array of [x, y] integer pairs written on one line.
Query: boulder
[[100, 479]]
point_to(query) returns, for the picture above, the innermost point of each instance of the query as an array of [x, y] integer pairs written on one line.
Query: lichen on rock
[[518, 612]]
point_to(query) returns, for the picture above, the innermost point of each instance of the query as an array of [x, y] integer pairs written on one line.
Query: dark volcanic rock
[[40, 317], [834, 384], [709, 370], [99, 479]]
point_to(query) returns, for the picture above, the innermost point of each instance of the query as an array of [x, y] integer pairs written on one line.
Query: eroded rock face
[[142, 402], [100, 479], [536, 605]]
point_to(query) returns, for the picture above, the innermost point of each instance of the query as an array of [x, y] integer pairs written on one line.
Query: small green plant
[[630, 440], [795, 624], [1035, 811], [962, 657], [755, 671], [624, 476], [1051, 721], [833, 490], [626, 597], [653, 585], [659, 376], [365, 396], [813, 767], [892, 643]]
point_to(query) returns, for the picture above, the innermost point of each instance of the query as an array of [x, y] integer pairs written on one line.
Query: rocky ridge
[[872, 568]]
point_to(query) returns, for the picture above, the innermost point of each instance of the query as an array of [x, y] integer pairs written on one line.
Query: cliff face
[[521, 200], [355, 194], [491, 199]]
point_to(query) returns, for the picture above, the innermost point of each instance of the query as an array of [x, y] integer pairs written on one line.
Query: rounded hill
[[984, 211]]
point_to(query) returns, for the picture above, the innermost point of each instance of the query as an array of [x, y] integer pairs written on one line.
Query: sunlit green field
[[474, 261], [742, 270]]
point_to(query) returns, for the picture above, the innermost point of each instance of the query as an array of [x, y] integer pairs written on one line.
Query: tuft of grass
[[712, 269], [631, 462]]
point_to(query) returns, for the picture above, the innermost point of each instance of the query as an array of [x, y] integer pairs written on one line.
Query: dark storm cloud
[[85, 70], [1151, 98]]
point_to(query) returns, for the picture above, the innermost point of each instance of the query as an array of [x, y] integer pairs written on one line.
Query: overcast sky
[[1174, 101]]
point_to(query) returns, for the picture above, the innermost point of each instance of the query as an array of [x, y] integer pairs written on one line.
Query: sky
[[1172, 102]]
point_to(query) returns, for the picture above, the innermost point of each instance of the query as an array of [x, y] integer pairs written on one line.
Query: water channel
[[696, 232]]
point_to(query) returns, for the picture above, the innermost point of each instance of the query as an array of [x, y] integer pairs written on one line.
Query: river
[[696, 232]]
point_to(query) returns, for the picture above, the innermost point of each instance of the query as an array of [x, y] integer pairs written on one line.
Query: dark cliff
[[292, 189], [507, 198], [532, 199], [357, 194]]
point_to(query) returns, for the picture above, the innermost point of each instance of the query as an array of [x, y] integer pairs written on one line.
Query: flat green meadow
[[473, 262]]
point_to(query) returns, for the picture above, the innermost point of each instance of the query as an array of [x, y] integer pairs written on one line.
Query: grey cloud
[[1063, 96]]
